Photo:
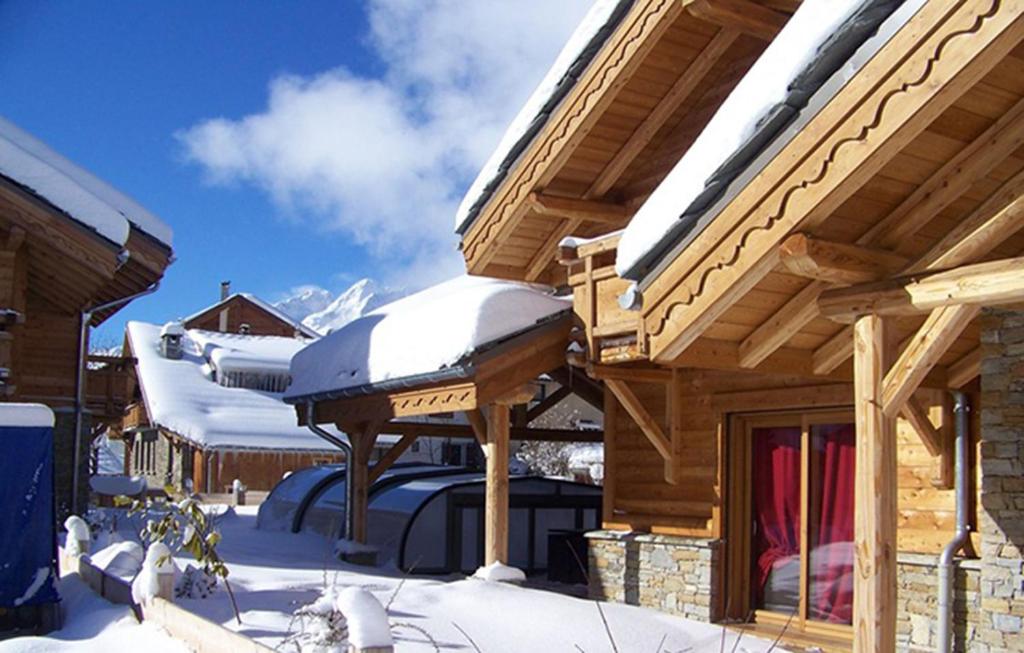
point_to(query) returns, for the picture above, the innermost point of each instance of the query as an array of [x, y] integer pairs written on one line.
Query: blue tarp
[[28, 544]]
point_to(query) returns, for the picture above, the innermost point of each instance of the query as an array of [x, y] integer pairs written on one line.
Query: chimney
[[171, 336], [225, 289]]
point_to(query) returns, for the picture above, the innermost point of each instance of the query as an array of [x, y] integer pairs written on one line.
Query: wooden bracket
[[647, 424], [389, 458]]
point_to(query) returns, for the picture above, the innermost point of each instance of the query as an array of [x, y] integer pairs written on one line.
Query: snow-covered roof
[[816, 44], [182, 397], [425, 333], [266, 306], [32, 164], [574, 58]]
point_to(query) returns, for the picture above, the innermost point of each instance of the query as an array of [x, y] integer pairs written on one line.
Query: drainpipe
[[83, 354], [347, 449], [961, 408]]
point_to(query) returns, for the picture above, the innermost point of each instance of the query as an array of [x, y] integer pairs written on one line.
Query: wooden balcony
[[109, 386], [610, 330]]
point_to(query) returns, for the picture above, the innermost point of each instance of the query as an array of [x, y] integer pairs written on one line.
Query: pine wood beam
[[648, 425], [951, 181], [964, 370], [548, 403], [837, 263], [362, 441], [917, 417], [994, 282], [752, 19], [684, 86], [389, 458], [942, 327], [875, 490], [496, 508], [797, 313], [548, 251], [478, 422], [571, 208]]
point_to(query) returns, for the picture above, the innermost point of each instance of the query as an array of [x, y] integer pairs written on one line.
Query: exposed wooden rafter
[[571, 208], [742, 15], [679, 92], [965, 369], [837, 263]]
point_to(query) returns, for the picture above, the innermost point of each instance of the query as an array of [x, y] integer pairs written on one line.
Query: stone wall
[[917, 603], [671, 574], [63, 466], [1001, 514], [678, 575]]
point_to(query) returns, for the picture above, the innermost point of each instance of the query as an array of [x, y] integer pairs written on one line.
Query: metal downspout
[[944, 637], [83, 353], [347, 449]]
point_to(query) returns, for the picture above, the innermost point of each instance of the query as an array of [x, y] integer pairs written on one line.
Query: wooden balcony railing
[[610, 331]]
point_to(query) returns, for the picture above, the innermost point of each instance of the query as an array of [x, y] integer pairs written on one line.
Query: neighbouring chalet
[[246, 313], [73, 251], [209, 409], [790, 231], [469, 346]]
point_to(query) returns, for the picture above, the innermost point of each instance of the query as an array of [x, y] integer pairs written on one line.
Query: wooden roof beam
[[646, 422], [965, 369], [389, 458], [680, 91], [742, 15], [837, 263], [571, 208], [917, 416], [548, 403], [549, 251], [981, 284]]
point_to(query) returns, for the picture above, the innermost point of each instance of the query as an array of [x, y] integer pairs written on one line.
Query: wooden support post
[[496, 511], [874, 584], [362, 448]]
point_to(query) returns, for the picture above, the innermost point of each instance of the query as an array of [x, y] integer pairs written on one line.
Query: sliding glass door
[[792, 486]]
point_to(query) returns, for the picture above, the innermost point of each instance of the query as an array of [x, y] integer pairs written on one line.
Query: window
[[791, 519]]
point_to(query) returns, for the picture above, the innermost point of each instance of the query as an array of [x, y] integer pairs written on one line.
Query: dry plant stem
[[607, 628], [468, 638], [401, 583], [422, 631], [782, 632], [743, 629], [662, 642]]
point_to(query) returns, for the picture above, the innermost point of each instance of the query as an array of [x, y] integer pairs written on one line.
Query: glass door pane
[[775, 502], [830, 513]]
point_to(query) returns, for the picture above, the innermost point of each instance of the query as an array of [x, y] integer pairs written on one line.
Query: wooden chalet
[[184, 429], [246, 313], [779, 375], [494, 385], [74, 251]]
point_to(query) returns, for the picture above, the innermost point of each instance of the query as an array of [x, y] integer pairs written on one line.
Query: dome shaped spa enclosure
[[429, 519]]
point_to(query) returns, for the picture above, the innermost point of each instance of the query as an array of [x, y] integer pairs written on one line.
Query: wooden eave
[[920, 158], [495, 373], [148, 259], [643, 100]]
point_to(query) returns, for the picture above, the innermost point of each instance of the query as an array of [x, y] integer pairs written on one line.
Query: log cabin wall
[[242, 311], [666, 545]]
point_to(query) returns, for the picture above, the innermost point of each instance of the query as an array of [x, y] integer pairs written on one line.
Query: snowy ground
[[273, 574], [93, 624]]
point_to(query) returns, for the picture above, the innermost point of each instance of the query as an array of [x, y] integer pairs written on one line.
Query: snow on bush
[[322, 628], [368, 625], [194, 583], [157, 562], [78, 534], [498, 572]]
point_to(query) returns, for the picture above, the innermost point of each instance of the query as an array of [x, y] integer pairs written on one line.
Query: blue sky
[[286, 143]]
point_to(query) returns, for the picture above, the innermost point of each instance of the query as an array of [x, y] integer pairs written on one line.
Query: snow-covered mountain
[[306, 301], [322, 312]]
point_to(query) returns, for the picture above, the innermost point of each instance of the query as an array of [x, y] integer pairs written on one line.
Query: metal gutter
[[83, 353], [944, 635]]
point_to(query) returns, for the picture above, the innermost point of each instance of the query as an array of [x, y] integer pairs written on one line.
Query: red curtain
[[831, 559], [776, 501]]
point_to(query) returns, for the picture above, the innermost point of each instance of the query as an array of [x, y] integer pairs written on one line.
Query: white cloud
[[386, 160]]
